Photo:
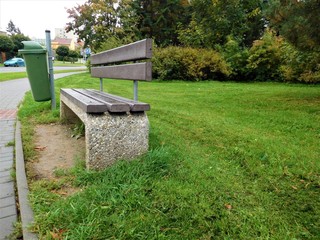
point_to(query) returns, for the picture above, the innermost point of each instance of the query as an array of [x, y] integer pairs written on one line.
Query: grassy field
[[226, 161]]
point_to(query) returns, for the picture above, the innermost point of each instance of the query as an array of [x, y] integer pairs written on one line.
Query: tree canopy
[[297, 21], [6, 44], [94, 21]]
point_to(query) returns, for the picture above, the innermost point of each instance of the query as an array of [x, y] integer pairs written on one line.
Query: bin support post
[[49, 50]]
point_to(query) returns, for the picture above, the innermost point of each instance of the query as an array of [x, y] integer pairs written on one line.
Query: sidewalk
[[11, 93]]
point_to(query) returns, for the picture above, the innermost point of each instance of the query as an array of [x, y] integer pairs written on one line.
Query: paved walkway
[[11, 93]]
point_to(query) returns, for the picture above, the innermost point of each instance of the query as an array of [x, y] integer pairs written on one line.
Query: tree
[[214, 20], [17, 42], [297, 21], [12, 29], [160, 19], [73, 55], [63, 52], [94, 21], [6, 44]]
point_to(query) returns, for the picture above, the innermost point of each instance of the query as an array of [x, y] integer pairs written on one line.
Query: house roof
[[62, 41]]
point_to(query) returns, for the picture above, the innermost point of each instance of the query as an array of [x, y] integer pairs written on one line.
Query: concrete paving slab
[[6, 189], [7, 226]]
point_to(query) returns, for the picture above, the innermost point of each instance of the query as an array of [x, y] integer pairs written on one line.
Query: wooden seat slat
[[134, 105], [86, 103], [112, 104]]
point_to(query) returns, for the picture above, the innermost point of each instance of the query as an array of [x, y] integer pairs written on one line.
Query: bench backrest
[[112, 63], [136, 51]]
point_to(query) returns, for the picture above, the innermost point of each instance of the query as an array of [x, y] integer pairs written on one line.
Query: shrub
[[300, 66], [265, 58], [236, 58], [185, 63], [62, 52]]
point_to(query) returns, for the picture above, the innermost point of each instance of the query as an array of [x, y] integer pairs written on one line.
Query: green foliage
[[234, 28], [73, 56], [237, 58], [17, 41], [265, 58], [62, 51], [159, 19], [6, 43], [214, 21], [112, 42], [299, 66], [94, 21], [297, 21], [88, 65], [185, 63]]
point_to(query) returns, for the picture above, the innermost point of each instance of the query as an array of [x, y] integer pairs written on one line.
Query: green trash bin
[[35, 57]]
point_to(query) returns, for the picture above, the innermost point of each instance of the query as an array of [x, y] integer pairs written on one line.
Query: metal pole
[[101, 84], [135, 90], [49, 50]]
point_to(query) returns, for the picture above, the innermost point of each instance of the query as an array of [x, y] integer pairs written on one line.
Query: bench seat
[[93, 101]]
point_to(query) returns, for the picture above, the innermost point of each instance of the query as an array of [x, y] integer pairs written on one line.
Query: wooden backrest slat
[[135, 71], [131, 52]]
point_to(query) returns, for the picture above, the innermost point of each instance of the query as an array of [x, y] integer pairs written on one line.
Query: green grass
[[17, 75], [67, 64], [226, 161]]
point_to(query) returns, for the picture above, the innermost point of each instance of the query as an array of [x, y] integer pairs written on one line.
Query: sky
[[34, 17]]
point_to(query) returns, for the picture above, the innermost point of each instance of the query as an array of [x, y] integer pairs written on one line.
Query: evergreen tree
[[297, 21]]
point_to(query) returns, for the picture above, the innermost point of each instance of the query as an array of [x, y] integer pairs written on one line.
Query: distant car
[[14, 62]]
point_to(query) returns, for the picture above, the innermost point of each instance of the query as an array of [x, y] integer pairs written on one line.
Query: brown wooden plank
[[112, 104], [134, 105], [134, 51], [135, 71], [87, 104]]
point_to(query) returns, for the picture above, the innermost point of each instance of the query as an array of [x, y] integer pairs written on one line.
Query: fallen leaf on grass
[[294, 187], [40, 148], [57, 235], [228, 206]]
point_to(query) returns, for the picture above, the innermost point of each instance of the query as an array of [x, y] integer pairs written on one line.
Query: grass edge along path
[[226, 161]]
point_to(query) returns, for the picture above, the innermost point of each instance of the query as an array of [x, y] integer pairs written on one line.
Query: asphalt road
[[23, 69]]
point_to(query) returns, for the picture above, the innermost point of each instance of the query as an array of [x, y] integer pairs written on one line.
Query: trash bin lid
[[32, 47]]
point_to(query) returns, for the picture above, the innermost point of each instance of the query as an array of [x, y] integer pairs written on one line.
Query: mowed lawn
[[226, 161]]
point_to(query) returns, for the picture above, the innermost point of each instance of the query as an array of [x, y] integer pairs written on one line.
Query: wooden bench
[[115, 127]]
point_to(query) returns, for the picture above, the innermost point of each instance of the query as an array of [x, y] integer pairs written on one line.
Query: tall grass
[[226, 161]]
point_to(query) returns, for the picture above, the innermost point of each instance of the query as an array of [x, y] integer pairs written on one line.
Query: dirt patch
[[57, 149]]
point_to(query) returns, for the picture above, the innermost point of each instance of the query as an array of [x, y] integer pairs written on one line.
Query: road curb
[[22, 186]]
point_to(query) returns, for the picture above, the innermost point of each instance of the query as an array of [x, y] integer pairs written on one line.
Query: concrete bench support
[[109, 136]]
